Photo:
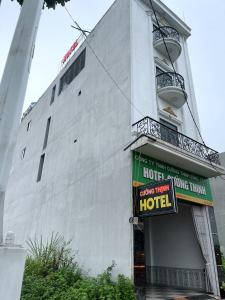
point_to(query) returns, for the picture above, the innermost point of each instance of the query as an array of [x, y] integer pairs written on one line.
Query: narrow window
[[72, 71], [46, 133], [53, 94], [40, 169], [23, 153], [28, 125]]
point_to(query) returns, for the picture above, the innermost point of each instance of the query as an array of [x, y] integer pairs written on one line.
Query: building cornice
[[170, 17]]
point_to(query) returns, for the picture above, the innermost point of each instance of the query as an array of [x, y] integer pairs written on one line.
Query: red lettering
[[68, 53], [162, 189], [74, 46]]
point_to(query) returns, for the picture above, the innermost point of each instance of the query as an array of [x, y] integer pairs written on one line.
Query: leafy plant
[[49, 3], [51, 273], [53, 254]]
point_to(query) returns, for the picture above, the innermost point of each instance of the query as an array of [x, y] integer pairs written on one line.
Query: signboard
[[188, 186], [71, 50], [156, 199]]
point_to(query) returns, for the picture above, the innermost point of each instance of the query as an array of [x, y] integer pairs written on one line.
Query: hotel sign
[[188, 186], [156, 199], [71, 50]]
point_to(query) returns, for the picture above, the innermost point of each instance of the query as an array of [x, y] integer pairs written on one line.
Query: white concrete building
[[218, 192], [98, 133]]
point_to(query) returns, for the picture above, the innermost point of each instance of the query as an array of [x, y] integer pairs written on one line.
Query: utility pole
[[12, 92], [13, 88]]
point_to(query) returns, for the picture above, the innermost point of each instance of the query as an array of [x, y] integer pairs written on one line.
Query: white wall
[[12, 260], [85, 189], [142, 63], [171, 241], [218, 190], [143, 56]]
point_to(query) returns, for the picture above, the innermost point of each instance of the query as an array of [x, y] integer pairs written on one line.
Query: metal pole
[[13, 88]]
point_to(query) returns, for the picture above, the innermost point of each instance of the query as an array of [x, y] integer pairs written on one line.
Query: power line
[[114, 81], [103, 66], [181, 85], [177, 77], [84, 32]]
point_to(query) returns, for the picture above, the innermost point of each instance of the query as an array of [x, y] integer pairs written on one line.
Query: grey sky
[[206, 47]]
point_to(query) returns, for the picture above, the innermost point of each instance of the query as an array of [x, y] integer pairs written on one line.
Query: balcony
[[171, 88], [171, 37], [163, 143]]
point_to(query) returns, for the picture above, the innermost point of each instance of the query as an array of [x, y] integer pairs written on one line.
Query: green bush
[[51, 273], [223, 269]]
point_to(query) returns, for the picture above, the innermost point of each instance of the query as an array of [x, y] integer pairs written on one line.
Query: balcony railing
[[152, 128], [170, 79], [166, 32]]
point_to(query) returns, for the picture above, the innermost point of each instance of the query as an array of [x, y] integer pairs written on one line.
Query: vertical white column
[[13, 86]]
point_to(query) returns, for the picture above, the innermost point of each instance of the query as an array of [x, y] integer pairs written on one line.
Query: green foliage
[[54, 254], [101, 288], [49, 3], [223, 265], [51, 273]]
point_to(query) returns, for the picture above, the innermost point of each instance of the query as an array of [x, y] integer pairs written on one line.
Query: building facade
[[113, 119], [218, 192]]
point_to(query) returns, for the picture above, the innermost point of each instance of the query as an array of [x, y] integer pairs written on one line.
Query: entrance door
[[173, 255]]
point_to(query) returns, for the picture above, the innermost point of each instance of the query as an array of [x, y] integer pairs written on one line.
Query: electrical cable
[[103, 66], [176, 75], [122, 92], [181, 85]]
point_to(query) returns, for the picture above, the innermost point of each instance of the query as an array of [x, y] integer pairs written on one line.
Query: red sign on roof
[[71, 50]]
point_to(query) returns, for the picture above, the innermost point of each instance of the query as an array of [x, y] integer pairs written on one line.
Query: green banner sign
[[188, 186]]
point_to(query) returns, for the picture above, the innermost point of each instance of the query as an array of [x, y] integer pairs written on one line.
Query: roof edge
[[170, 16]]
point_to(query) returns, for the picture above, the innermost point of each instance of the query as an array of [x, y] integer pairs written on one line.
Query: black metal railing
[[152, 128], [170, 79], [166, 32]]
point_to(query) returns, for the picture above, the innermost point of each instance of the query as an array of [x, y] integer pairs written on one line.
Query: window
[[53, 94], [23, 153], [40, 169], [169, 132], [28, 125], [73, 71], [47, 133]]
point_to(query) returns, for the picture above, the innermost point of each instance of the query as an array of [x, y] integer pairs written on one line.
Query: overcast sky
[[206, 47]]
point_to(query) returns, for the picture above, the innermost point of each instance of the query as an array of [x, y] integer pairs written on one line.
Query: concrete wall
[[143, 86], [85, 189], [171, 241], [218, 190], [12, 260]]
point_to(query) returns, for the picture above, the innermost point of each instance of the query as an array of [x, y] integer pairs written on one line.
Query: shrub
[[51, 273]]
